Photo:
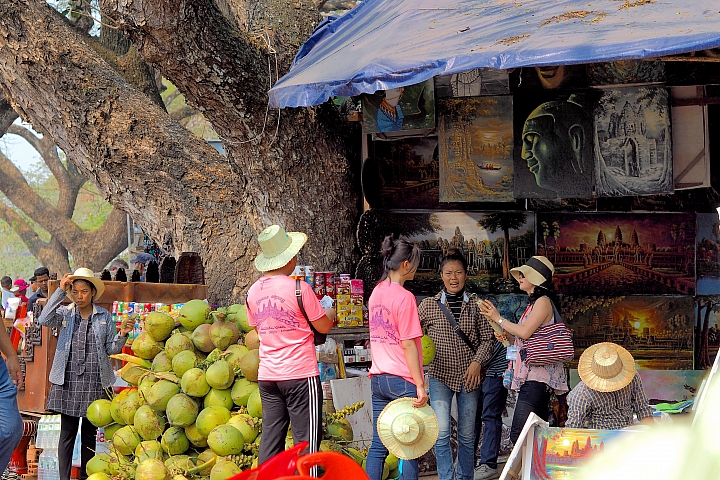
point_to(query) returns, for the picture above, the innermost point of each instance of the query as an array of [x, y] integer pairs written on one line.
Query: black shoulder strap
[[455, 326], [298, 294]]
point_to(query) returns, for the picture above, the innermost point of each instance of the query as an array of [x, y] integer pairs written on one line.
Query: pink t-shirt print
[[393, 318], [287, 351]]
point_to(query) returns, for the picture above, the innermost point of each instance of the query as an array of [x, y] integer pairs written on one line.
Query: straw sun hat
[[537, 270], [407, 432], [88, 275], [606, 367], [277, 247]]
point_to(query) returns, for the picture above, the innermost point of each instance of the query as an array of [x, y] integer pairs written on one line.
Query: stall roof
[[382, 44]]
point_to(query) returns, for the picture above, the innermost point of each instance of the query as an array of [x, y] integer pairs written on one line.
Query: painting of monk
[[399, 109]]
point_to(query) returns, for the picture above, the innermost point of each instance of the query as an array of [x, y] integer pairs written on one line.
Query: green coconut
[[129, 406], [152, 469], [126, 440], [235, 353], [241, 390], [392, 461], [99, 476], [221, 397], [245, 425], [252, 340], [249, 365], [204, 457], [181, 410], [223, 470], [220, 375], [161, 362], [193, 383], [210, 418], [121, 464], [234, 308], [159, 325], [174, 441], [223, 334], [98, 412], [195, 437], [116, 403], [254, 405], [201, 338], [193, 314], [179, 464], [144, 346], [148, 449], [161, 393], [144, 387], [226, 440], [428, 349], [242, 319], [98, 463], [132, 373], [109, 430], [184, 361], [178, 342], [148, 423]]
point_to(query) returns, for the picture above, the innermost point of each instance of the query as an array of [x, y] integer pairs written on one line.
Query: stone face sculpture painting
[[399, 109], [633, 151]]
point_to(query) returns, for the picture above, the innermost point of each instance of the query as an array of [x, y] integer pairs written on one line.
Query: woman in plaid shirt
[[457, 368]]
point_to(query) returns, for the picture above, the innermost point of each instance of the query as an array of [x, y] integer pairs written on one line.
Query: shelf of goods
[[41, 342]]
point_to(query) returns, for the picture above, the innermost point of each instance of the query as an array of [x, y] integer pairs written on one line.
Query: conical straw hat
[[406, 431], [606, 367]]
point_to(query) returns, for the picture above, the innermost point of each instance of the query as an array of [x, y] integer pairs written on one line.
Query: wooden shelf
[[350, 333]]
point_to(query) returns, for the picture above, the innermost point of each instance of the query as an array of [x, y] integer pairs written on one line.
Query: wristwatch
[[501, 321]]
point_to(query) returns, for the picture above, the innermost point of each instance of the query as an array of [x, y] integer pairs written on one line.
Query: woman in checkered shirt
[[457, 368]]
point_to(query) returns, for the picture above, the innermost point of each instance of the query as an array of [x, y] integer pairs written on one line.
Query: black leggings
[[68, 432], [532, 398]]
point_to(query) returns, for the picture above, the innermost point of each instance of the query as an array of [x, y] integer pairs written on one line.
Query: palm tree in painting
[[556, 236], [505, 221]]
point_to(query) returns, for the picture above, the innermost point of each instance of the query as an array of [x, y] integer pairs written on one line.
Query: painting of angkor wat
[[708, 254], [476, 149], [633, 151], [611, 253], [656, 330]]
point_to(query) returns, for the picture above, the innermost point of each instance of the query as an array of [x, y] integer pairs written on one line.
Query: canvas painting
[[607, 253], [482, 237], [557, 77], [690, 138], [399, 109], [707, 330], [473, 83], [511, 306], [553, 152], [476, 149], [708, 254], [402, 174], [662, 386], [624, 72], [633, 150], [656, 330]]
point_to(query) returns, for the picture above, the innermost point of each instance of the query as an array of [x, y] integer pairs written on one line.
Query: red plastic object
[[337, 466], [281, 465]]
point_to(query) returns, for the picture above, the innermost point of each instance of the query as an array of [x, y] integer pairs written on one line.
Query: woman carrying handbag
[[534, 382]]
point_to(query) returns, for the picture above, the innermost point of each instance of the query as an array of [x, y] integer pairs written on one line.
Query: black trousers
[[533, 397], [283, 402], [68, 432]]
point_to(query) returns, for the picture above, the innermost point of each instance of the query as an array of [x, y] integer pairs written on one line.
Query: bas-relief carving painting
[[708, 254], [475, 145], [656, 330], [707, 330], [400, 109], [626, 72], [553, 154], [633, 151], [646, 253], [473, 83], [481, 236]]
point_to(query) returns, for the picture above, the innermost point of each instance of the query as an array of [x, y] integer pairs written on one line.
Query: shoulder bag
[[318, 338], [551, 343]]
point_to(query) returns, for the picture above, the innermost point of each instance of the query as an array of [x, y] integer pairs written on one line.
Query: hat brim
[[401, 410], [530, 274], [265, 264], [97, 283], [600, 384]]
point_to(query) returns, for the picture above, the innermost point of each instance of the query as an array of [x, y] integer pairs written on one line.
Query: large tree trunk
[[167, 179]]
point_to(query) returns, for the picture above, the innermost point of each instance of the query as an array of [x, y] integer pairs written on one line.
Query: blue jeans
[[467, 402], [494, 397], [385, 389], [11, 424]]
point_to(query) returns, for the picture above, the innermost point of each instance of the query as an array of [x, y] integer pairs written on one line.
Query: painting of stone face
[[553, 146], [708, 254], [633, 150], [402, 173], [476, 142], [400, 109], [656, 330], [707, 330], [624, 72], [649, 254], [559, 77], [473, 83]]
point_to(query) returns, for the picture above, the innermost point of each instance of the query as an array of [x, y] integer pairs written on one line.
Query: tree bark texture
[[149, 166]]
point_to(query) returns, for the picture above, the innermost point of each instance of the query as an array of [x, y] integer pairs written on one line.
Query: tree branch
[[7, 115]]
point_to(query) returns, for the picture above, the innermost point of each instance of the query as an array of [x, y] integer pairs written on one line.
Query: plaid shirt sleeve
[[641, 404], [578, 407]]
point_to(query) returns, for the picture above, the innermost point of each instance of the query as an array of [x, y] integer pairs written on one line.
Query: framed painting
[[475, 137], [708, 254], [553, 152], [707, 330], [633, 150], [662, 386], [656, 330], [473, 83], [399, 109], [551, 77], [607, 253], [625, 72], [690, 138]]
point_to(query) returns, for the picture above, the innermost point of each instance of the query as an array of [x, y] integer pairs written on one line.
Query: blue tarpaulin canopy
[[383, 44]]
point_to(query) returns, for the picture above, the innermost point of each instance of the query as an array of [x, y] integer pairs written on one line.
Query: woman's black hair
[[454, 255], [395, 252], [545, 289]]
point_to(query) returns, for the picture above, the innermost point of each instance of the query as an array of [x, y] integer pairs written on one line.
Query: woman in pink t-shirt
[[395, 345]]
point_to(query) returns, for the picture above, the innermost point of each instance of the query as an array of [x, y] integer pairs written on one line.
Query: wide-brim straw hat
[[87, 274], [537, 270], [407, 432], [278, 247], [606, 367]]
